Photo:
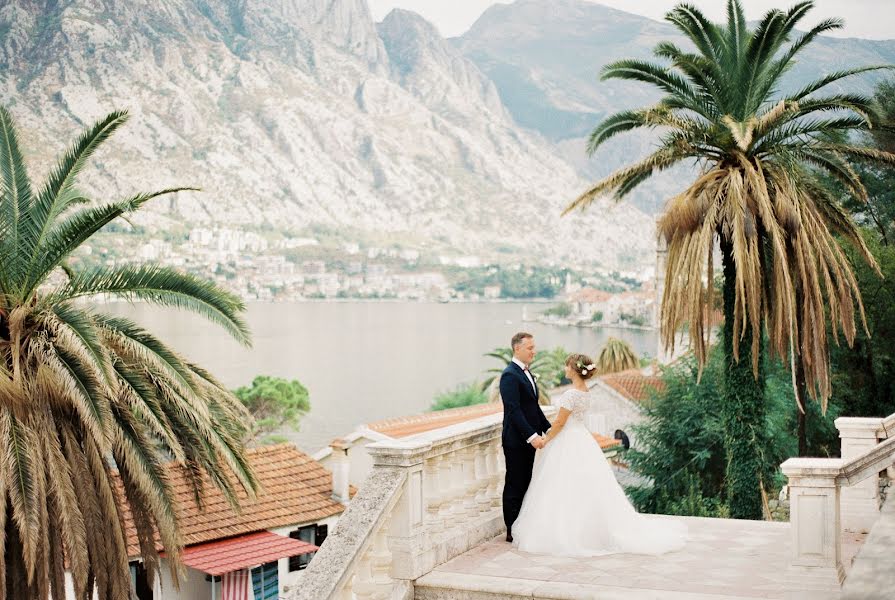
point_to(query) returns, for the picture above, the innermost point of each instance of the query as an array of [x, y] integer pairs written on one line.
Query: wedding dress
[[575, 507]]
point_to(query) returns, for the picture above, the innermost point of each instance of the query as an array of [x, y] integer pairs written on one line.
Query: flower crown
[[583, 368]]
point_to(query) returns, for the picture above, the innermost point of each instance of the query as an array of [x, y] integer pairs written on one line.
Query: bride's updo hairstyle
[[582, 364]]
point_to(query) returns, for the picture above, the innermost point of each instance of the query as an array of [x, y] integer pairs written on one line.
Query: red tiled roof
[[295, 489], [399, 427], [250, 550], [633, 384], [590, 295]]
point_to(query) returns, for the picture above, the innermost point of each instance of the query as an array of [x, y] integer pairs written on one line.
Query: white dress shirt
[[534, 386]]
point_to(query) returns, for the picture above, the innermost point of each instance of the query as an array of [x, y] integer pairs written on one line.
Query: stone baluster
[[458, 486], [495, 470], [815, 525], [433, 491], [347, 592], [381, 561], [860, 502], [363, 586], [470, 484], [446, 487], [482, 477]]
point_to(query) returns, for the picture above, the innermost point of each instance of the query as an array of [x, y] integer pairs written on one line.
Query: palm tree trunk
[[802, 414], [16, 577], [743, 407]]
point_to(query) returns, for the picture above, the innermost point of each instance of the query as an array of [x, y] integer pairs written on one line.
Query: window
[[265, 581], [312, 534]]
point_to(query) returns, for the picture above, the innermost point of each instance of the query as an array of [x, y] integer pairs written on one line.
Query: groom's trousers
[[519, 463]]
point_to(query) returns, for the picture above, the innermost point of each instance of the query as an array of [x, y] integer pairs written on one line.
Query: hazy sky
[[872, 19]]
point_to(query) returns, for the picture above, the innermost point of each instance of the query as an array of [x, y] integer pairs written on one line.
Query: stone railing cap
[[812, 467], [864, 426]]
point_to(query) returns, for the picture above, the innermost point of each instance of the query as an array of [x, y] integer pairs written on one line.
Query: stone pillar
[[815, 567], [406, 546], [341, 468], [860, 502]]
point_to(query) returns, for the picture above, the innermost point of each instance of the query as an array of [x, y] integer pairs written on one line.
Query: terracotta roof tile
[[400, 427], [294, 489], [223, 556], [633, 384]]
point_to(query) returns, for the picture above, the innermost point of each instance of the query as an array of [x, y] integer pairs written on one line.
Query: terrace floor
[[724, 559]]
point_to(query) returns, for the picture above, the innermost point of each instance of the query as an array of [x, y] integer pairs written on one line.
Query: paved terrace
[[723, 559]]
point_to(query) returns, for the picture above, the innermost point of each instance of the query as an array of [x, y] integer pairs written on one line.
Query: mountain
[[545, 59], [296, 115]]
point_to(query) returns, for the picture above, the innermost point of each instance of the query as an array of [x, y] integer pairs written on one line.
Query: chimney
[[341, 469]]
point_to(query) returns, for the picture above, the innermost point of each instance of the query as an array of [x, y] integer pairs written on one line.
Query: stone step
[[439, 585]]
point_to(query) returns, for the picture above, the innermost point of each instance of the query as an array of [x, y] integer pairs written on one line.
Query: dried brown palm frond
[[759, 195]]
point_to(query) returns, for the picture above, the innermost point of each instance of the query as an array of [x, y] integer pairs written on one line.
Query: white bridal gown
[[574, 505]]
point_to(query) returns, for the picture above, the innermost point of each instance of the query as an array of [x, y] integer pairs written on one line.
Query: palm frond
[[70, 233], [164, 286], [832, 78], [15, 199], [59, 194]]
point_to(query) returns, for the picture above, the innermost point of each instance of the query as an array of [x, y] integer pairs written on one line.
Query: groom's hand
[[538, 442]]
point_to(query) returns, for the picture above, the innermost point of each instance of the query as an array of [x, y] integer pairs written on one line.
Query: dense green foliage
[[681, 445], [519, 283], [560, 310], [463, 395], [275, 403]]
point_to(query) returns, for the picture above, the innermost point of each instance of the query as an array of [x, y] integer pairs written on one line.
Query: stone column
[[860, 502], [410, 555], [815, 566], [341, 468]]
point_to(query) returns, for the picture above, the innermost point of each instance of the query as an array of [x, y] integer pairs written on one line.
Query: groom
[[523, 421]]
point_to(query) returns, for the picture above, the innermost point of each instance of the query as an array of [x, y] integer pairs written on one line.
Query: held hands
[[539, 442]]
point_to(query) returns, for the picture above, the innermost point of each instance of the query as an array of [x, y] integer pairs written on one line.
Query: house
[[348, 459], [618, 401], [265, 545]]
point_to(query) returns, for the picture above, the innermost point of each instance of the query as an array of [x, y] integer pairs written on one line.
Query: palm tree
[[91, 405], [505, 356], [616, 356], [758, 195]]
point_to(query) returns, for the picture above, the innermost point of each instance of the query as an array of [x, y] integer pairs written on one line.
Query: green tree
[[92, 406], [274, 403], [464, 395], [597, 316], [681, 450], [616, 356], [560, 310], [759, 196], [542, 367]]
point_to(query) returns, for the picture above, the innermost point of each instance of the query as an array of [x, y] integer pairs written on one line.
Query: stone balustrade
[[428, 499], [829, 495]]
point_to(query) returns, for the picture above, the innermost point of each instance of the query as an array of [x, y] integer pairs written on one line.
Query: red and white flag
[[235, 585]]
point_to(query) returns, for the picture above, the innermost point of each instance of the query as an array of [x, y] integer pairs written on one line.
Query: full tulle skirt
[[575, 507]]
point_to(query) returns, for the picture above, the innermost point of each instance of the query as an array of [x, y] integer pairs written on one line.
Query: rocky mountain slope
[[545, 59], [294, 114]]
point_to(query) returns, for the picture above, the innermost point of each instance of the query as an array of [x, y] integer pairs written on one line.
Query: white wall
[[192, 586], [618, 412]]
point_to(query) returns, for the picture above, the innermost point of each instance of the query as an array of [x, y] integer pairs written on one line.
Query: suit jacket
[[522, 415]]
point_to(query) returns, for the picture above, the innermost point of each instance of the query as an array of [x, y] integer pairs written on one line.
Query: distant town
[[294, 269]]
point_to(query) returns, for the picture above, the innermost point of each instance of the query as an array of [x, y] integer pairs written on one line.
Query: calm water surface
[[365, 361]]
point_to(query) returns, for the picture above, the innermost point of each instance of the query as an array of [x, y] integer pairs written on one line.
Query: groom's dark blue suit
[[522, 418]]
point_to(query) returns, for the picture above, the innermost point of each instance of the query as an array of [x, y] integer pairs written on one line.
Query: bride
[[574, 505]]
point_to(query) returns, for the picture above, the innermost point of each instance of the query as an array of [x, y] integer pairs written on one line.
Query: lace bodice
[[577, 402]]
